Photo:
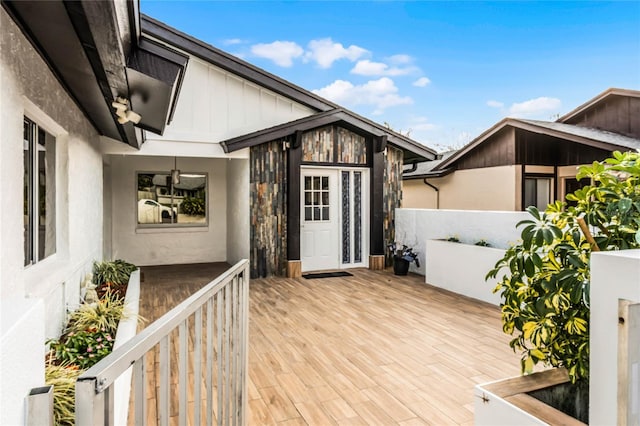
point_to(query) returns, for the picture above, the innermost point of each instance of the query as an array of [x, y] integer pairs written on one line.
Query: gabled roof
[[94, 50], [596, 100], [587, 136], [233, 64], [414, 151]]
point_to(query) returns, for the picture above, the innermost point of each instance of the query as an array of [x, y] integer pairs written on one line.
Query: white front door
[[319, 220], [334, 218]]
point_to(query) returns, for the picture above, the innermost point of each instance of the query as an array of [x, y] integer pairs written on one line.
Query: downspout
[[437, 192]]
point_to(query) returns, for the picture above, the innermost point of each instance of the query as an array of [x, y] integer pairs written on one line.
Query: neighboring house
[[225, 161], [518, 162]]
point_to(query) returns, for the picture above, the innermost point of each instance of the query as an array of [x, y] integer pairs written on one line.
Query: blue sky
[[445, 71]]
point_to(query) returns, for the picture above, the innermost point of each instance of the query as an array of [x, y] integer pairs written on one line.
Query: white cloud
[[495, 104], [370, 68], [422, 82], [325, 52], [400, 59], [280, 52], [421, 124], [381, 94], [535, 106], [232, 41]]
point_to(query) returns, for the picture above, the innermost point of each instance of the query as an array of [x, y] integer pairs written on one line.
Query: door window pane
[[357, 217], [316, 199], [346, 216], [537, 192]]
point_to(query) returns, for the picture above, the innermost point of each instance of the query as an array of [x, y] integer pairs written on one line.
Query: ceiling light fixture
[[125, 115]]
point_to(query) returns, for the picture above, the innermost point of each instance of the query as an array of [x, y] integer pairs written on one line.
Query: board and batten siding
[[392, 192], [215, 105], [268, 185]]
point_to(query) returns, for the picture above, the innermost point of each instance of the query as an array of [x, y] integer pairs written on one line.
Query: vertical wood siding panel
[[217, 94], [235, 102]]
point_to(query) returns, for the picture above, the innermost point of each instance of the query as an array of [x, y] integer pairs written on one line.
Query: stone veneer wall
[[268, 166]]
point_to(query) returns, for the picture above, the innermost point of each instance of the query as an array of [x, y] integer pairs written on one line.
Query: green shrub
[[193, 206], [545, 291], [105, 314], [83, 348], [115, 273]]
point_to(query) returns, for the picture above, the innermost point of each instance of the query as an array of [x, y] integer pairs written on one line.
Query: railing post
[[89, 404]]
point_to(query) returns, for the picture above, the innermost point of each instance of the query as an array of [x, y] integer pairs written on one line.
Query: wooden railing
[[212, 337]]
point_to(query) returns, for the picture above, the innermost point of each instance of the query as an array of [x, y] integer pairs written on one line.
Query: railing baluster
[[234, 348], [183, 365], [210, 362], [165, 373], [226, 299], [221, 410], [140, 385], [244, 319], [197, 368]]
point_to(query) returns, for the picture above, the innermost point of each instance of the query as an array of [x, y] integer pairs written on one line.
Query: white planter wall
[[614, 275], [461, 268], [415, 226]]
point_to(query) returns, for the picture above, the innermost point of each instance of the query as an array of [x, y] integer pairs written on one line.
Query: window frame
[[31, 232], [173, 225], [539, 176]]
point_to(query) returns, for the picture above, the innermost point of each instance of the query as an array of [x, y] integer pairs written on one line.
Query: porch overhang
[[97, 54], [413, 151]]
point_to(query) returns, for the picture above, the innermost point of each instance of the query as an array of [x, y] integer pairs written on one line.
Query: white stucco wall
[[33, 300], [415, 226], [442, 269], [238, 200], [614, 275], [168, 245], [215, 105]]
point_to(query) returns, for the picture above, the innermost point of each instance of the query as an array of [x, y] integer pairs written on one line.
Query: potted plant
[[402, 258]]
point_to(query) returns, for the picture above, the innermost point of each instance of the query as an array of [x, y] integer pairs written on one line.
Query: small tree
[[545, 292]]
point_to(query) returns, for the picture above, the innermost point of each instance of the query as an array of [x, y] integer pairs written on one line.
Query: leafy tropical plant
[[193, 206], [545, 291], [482, 243], [113, 273], [453, 239], [106, 313], [63, 378]]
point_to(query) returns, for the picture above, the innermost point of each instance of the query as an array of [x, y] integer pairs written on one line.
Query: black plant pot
[[400, 266]]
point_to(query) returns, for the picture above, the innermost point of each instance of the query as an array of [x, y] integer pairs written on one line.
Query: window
[[538, 191], [165, 201], [39, 189], [316, 198]]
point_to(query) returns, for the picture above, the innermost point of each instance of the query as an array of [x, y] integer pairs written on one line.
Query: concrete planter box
[[506, 402], [461, 268], [127, 329]]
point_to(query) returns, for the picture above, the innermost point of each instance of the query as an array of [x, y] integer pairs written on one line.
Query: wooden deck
[[373, 348]]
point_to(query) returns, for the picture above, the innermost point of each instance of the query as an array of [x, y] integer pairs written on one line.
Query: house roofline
[[337, 115], [524, 125], [233, 64], [591, 102]]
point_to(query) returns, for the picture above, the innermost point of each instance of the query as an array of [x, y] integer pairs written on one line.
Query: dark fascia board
[[210, 54], [322, 119], [515, 123], [596, 100], [432, 175]]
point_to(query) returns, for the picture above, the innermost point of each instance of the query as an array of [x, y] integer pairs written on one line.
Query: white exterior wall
[[215, 105], [414, 227], [614, 275], [442, 269], [168, 245], [33, 300], [238, 199]]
